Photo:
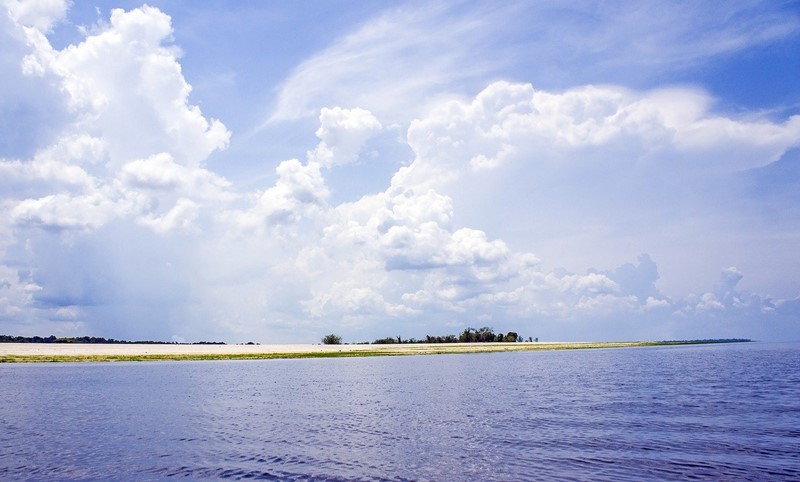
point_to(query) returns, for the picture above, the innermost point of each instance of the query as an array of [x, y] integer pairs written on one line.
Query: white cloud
[[410, 225], [389, 63], [16, 294], [401, 253], [32, 109], [64, 212], [160, 172], [654, 34], [351, 299], [61, 165], [513, 122], [38, 14], [124, 75], [181, 217], [136, 140], [709, 302], [402, 60], [342, 133], [299, 193], [654, 304], [730, 278]]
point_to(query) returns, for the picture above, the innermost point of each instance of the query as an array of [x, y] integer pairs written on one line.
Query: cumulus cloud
[[67, 164], [64, 212], [32, 109], [38, 14], [409, 228], [127, 74], [342, 133], [514, 122], [122, 76], [181, 217], [300, 193], [353, 301], [639, 280], [160, 173], [129, 142]]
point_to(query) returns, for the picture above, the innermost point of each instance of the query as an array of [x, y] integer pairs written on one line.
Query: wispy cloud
[[396, 63], [393, 62]]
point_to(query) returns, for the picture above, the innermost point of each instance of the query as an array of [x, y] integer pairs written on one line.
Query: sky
[[276, 171]]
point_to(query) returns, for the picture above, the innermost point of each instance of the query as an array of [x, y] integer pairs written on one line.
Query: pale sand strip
[[78, 349]]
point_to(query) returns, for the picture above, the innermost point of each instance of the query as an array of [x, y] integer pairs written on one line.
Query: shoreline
[[73, 352]]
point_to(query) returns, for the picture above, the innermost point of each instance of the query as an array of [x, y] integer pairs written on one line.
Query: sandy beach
[[32, 352], [83, 349]]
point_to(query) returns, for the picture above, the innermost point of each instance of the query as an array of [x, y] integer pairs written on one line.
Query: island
[[110, 352]]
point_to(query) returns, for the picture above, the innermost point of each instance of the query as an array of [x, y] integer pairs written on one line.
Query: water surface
[[668, 413]]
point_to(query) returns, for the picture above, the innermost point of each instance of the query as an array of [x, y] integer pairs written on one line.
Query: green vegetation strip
[[436, 349]]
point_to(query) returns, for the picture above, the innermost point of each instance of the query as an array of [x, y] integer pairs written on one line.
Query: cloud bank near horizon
[[115, 224]]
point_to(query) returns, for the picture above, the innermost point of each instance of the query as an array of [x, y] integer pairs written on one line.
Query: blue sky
[[277, 171]]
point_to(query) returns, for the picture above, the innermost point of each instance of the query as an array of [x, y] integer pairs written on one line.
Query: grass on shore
[[392, 350]]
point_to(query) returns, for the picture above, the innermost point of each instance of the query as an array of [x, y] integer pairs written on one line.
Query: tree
[[467, 336], [332, 339], [484, 335]]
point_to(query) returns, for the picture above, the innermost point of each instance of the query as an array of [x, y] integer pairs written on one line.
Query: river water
[[727, 412]]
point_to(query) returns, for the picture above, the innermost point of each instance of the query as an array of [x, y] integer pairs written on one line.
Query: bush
[[332, 339]]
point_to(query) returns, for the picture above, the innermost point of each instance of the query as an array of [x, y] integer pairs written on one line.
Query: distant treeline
[[705, 341], [93, 339], [470, 335]]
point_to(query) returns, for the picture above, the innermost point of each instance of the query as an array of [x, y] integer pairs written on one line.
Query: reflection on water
[[720, 412]]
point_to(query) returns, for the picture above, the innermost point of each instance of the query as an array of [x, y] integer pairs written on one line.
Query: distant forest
[[93, 339]]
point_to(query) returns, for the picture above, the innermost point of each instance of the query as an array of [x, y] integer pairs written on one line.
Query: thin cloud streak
[[391, 62], [409, 56]]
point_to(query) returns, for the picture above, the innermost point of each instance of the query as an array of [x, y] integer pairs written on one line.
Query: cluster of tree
[[332, 339], [92, 339], [486, 335], [469, 335]]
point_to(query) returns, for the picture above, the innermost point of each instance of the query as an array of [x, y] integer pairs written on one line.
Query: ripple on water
[[728, 412]]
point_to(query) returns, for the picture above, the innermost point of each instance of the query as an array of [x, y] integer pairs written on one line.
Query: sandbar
[[65, 352]]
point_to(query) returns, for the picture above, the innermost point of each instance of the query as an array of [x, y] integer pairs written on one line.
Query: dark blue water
[[727, 412]]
